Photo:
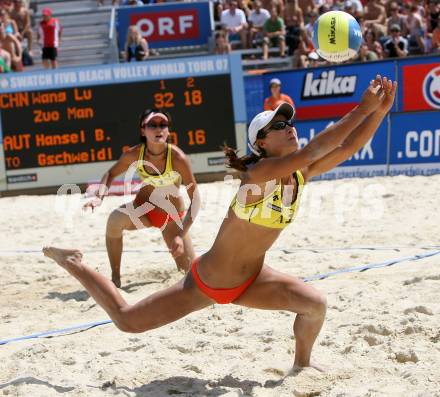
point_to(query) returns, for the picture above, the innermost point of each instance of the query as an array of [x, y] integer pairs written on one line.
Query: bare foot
[[116, 280], [64, 257], [298, 368]]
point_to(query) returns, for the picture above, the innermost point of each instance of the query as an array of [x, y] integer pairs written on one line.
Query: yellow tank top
[[167, 178], [270, 211]]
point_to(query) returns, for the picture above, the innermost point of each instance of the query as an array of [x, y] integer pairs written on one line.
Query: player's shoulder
[[178, 154], [132, 153]]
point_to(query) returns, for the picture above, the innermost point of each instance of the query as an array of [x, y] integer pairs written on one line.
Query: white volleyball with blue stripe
[[337, 36]]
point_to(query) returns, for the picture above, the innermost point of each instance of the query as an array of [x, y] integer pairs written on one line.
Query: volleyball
[[336, 36]]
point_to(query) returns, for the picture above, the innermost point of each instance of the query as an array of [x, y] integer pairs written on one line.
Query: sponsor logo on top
[[431, 88], [328, 85], [169, 25]]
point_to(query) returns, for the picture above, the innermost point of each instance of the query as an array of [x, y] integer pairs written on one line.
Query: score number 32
[[166, 99]]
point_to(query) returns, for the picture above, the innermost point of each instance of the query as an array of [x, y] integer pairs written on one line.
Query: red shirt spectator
[[50, 30], [50, 34]]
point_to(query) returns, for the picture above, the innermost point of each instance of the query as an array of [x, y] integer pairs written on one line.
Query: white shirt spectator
[[258, 19], [233, 21]]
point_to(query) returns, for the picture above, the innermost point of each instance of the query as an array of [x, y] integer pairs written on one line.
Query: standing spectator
[[49, 35], [294, 20], [274, 34], [292, 11], [276, 97], [221, 44], [306, 6], [21, 15], [136, 47], [256, 22], [313, 16], [11, 44], [433, 14], [234, 23], [416, 31], [396, 18], [375, 17], [396, 46]]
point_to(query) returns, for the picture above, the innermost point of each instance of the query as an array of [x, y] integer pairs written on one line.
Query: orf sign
[[168, 24], [165, 26]]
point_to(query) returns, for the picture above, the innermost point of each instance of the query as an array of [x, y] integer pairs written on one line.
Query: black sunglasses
[[277, 126], [154, 125]]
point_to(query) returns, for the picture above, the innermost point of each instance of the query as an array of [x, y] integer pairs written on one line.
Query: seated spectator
[[276, 97], [365, 55], [416, 31], [375, 17], [234, 23], [370, 41], [274, 34], [132, 3], [114, 2], [257, 18], [136, 47], [396, 46], [396, 18], [21, 15], [435, 44], [9, 24], [221, 44], [10, 43], [5, 61]]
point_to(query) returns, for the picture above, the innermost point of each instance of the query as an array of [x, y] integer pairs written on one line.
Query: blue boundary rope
[[84, 327], [284, 250]]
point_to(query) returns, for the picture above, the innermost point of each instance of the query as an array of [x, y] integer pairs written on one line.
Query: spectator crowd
[[391, 28]]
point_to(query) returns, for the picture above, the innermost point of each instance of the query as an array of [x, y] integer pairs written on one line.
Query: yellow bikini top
[[270, 211], [167, 178]]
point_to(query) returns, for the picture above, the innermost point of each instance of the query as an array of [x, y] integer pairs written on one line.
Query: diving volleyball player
[[233, 270]]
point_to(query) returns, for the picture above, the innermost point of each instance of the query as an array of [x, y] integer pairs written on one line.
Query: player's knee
[[317, 304], [115, 225]]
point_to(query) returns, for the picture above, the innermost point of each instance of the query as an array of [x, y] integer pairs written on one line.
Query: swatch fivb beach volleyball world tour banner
[[407, 143], [168, 25]]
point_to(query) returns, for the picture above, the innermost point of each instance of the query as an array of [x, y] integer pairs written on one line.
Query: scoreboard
[[67, 126]]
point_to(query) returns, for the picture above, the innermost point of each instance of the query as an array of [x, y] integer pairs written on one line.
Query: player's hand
[[93, 203], [372, 97], [176, 247], [389, 94]]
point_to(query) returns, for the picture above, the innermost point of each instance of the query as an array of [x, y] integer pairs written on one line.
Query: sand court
[[381, 336]]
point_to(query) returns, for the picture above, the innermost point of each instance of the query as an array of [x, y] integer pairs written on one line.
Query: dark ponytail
[[240, 163]]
